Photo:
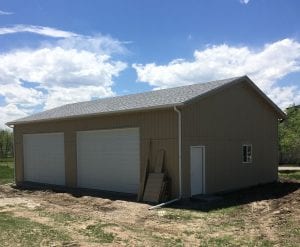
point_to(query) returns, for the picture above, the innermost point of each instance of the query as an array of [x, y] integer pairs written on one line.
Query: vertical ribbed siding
[[223, 122], [160, 126], [18, 149]]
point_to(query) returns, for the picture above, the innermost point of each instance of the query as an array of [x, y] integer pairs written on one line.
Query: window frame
[[250, 160]]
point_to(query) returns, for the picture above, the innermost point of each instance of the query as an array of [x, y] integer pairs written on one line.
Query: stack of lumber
[[154, 184]]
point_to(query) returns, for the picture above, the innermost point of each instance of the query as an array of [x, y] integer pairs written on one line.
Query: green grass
[[290, 175], [294, 165], [291, 231], [6, 172], [218, 241], [17, 231], [232, 240], [177, 214], [97, 233], [62, 217], [10, 160], [166, 241]]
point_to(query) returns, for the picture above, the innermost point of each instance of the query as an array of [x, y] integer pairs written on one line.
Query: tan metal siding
[[70, 158], [160, 126], [223, 122]]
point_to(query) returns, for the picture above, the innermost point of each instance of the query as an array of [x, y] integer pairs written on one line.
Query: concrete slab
[[289, 168]]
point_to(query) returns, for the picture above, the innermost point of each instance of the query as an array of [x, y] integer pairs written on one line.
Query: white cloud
[[69, 95], [96, 44], [60, 67], [10, 112], [71, 69], [46, 31], [244, 1], [24, 97], [265, 66], [69, 40], [5, 13]]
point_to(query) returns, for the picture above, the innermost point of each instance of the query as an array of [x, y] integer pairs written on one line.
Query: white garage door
[[109, 159], [44, 160]]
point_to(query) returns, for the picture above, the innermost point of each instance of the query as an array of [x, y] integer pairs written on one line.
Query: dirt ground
[[267, 215]]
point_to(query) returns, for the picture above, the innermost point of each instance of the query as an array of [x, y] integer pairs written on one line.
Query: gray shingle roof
[[153, 99]]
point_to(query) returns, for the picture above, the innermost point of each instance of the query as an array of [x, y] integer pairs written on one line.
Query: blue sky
[[57, 52]]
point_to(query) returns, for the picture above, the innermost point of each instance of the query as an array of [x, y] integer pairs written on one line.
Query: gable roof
[[142, 101]]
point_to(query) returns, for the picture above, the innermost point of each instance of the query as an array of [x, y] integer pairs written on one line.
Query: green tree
[[6, 144], [289, 132]]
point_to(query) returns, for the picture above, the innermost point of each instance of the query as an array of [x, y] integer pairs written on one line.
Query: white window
[[247, 153]]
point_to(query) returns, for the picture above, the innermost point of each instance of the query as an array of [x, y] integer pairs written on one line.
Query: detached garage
[[216, 136]]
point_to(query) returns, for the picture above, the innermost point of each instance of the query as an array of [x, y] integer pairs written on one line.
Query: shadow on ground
[[76, 192], [258, 193], [244, 196]]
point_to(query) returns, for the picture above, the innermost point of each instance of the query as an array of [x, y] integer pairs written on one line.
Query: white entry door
[[109, 159], [197, 170]]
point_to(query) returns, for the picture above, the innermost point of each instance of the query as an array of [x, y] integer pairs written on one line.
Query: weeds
[[24, 232], [97, 233]]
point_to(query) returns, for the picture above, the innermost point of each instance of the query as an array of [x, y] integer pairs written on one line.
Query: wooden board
[[159, 161], [145, 173], [153, 187], [162, 196], [143, 182]]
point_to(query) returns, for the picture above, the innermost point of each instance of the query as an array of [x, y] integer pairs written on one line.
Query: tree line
[[6, 144], [289, 136]]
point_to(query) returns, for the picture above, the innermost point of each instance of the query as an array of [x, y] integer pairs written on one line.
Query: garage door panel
[[44, 158], [109, 159]]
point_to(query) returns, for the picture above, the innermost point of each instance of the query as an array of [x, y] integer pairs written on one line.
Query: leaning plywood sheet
[[142, 184], [159, 161], [145, 173], [163, 193], [153, 187]]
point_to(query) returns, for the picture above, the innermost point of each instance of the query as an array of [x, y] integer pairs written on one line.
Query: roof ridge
[[152, 91]]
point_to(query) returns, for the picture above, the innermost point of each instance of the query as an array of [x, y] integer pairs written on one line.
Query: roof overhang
[[279, 112], [159, 107]]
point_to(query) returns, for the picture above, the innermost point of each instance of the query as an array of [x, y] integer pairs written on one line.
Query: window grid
[[247, 153]]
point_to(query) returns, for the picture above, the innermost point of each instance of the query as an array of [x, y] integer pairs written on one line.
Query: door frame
[[203, 168]]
